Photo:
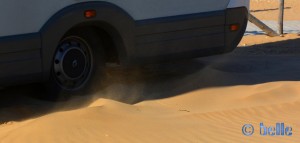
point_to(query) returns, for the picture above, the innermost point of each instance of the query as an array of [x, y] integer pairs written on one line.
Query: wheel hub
[[72, 63]]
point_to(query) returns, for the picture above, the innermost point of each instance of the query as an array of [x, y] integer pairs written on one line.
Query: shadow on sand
[[250, 65], [270, 9]]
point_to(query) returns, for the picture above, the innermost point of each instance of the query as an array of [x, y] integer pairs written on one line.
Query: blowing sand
[[205, 100]]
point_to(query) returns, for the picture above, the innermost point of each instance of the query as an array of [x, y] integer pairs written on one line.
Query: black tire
[[77, 64]]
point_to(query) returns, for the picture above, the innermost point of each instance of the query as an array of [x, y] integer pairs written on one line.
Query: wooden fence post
[[262, 26], [281, 17]]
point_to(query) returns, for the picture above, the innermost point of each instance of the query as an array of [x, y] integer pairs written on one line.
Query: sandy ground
[[268, 9], [205, 100], [252, 40], [194, 101]]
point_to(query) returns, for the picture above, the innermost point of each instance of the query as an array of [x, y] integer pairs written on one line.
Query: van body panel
[[35, 13], [143, 31]]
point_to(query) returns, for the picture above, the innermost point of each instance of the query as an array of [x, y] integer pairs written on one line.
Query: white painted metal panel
[[239, 3], [21, 17]]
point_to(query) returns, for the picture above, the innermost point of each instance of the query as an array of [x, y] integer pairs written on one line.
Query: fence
[[267, 29]]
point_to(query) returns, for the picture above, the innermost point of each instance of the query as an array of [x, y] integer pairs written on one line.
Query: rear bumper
[[235, 16], [188, 36]]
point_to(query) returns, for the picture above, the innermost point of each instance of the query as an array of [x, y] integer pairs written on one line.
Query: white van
[[63, 42]]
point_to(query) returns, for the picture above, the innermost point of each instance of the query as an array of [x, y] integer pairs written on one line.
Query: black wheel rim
[[72, 64]]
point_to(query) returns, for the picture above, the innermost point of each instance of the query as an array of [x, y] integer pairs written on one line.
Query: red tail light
[[90, 13]]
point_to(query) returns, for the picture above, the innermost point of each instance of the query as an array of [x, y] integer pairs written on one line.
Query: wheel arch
[[110, 18]]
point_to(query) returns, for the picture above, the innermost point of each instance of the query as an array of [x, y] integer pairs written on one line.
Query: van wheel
[[76, 63]]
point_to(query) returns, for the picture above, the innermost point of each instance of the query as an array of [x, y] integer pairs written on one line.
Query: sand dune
[[203, 100], [209, 115]]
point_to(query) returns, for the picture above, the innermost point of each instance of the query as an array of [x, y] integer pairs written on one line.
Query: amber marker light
[[234, 27], [90, 13]]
